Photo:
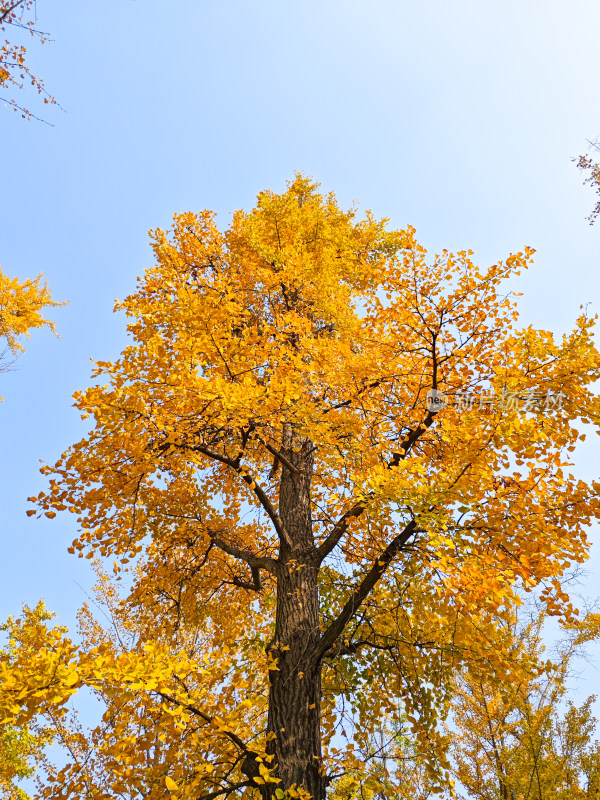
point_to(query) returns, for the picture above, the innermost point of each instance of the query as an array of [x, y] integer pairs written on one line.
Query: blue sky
[[458, 118]]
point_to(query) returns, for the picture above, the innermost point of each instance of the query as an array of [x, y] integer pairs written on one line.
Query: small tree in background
[[521, 741], [22, 749]]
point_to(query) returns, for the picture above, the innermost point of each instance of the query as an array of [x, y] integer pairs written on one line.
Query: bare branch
[[363, 589], [349, 648], [255, 586], [261, 562], [10, 9], [233, 737], [346, 403], [253, 561], [226, 791], [258, 491], [412, 437], [341, 526], [279, 456], [250, 763], [338, 530]]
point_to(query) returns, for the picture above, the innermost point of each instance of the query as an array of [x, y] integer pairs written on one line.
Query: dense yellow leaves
[[155, 727], [21, 306], [522, 739], [292, 353], [21, 746]]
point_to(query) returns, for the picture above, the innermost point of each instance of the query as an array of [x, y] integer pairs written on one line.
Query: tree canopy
[[332, 464]]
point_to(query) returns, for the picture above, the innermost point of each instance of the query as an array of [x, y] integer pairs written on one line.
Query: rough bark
[[294, 720]]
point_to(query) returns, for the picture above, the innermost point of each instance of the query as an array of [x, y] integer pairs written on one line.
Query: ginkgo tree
[[522, 741], [330, 463], [21, 748]]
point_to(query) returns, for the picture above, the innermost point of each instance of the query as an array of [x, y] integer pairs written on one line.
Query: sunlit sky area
[[459, 118]]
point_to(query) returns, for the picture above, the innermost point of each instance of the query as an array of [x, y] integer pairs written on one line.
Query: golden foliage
[[522, 740], [296, 349], [21, 747], [21, 304]]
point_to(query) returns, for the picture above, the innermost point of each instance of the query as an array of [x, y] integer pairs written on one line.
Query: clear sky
[[460, 118]]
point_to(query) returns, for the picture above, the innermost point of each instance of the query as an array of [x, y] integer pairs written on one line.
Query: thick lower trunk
[[295, 685], [294, 721]]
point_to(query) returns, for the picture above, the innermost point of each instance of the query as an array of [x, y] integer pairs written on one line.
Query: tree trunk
[[294, 720]]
